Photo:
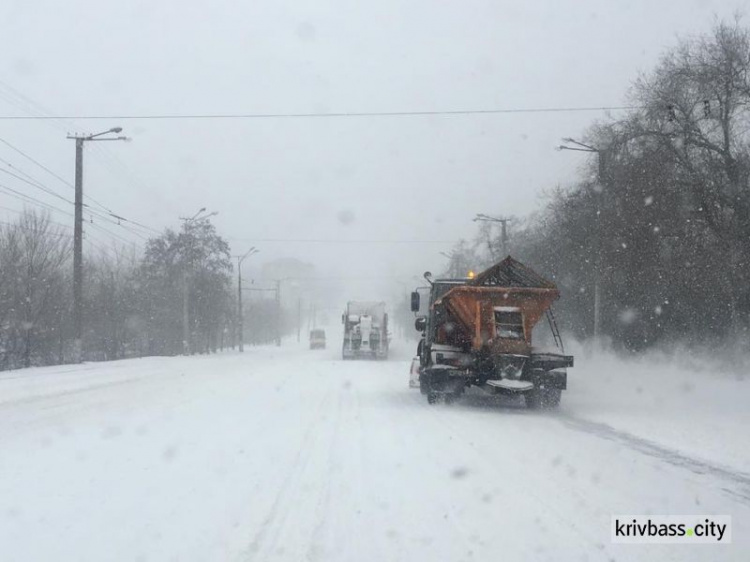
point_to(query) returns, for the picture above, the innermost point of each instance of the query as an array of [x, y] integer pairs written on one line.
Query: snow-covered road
[[295, 455]]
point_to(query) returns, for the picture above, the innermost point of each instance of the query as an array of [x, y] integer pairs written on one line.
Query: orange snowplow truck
[[477, 332]]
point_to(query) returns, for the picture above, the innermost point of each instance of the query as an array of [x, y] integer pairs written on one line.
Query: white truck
[[365, 330]]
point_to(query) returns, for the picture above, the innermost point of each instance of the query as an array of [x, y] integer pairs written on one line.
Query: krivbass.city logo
[[674, 529]]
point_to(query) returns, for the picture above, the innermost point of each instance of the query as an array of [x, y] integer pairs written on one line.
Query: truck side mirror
[[415, 301], [420, 324]]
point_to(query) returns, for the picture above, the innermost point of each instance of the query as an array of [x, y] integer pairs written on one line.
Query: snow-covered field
[[290, 454]]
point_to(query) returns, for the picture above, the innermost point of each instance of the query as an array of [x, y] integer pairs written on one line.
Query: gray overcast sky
[[402, 178]]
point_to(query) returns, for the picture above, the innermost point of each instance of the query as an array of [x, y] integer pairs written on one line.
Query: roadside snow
[[702, 412]]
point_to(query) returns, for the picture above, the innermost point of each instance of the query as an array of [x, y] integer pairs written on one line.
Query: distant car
[[317, 339], [414, 373]]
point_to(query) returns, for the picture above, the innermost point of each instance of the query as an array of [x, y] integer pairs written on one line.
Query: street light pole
[[240, 319], [601, 169], [504, 236], [78, 235], [78, 254], [186, 347]]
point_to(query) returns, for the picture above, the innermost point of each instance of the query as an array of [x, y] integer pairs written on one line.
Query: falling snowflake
[[628, 316]]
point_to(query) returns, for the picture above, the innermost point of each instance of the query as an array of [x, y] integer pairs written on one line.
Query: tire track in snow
[[540, 493], [739, 482], [467, 536], [266, 538], [315, 549]]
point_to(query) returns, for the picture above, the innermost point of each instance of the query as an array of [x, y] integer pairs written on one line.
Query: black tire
[[533, 399], [552, 398], [424, 384], [433, 398], [543, 398], [451, 398]]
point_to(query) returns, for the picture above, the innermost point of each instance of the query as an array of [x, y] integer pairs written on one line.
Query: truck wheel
[[533, 399], [552, 397], [424, 384], [433, 397], [543, 398]]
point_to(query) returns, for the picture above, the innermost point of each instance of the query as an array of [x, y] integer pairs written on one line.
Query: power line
[[53, 174], [61, 225], [22, 102], [32, 200], [340, 241], [117, 166], [37, 185], [66, 182], [42, 166], [321, 115], [32, 108], [23, 227], [50, 192], [20, 171], [118, 218], [110, 233], [98, 245]]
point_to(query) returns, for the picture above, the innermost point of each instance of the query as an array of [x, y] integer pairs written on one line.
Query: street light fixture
[[78, 233], [195, 216]]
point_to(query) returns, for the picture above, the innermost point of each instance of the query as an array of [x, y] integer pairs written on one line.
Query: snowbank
[[676, 401]]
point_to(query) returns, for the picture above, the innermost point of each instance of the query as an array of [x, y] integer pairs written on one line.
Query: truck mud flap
[[550, 379], [550, 361], [442, 381]]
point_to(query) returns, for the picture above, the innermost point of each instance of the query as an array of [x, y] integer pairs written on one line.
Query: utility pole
[[454, 267], [185, 314], [78, 235], [240, 317], [504, 236], [78, 256], [187, 270], [262, 290], [602, 164]]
